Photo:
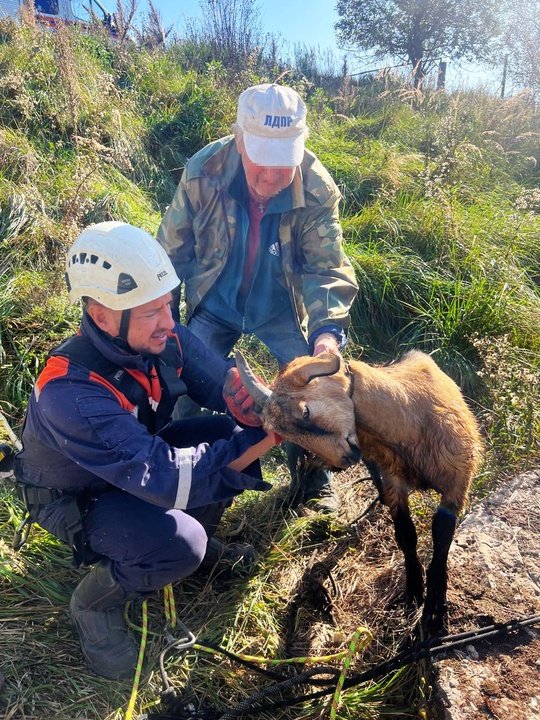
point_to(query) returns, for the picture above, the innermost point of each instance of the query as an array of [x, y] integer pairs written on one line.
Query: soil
[[494, 577]]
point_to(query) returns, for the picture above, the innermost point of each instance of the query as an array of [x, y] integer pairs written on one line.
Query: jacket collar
[[114, 349]]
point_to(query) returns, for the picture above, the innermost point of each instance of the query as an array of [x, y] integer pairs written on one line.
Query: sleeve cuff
[[338, 332]]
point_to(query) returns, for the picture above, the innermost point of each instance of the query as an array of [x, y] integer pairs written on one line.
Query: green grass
[[252, 615], [441, 218]]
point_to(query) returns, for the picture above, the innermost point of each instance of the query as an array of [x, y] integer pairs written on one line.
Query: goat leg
[[434, 616], [407, 540], [375, 474]]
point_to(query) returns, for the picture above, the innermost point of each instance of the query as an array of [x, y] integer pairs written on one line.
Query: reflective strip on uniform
[[185, 471]]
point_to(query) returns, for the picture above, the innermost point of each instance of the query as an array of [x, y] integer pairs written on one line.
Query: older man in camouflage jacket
[[253, 231]]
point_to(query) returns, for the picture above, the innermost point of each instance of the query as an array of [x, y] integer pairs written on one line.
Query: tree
[[522, 37], [419, 32]]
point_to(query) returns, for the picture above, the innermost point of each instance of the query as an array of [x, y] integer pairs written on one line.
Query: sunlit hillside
[[441, 215]]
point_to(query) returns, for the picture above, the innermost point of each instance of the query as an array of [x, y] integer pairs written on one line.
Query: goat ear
[[321, 365]]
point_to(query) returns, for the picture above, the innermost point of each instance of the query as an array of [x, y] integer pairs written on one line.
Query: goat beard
[[310, 462]]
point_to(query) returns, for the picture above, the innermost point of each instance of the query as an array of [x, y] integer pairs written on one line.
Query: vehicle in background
[[50, 13]]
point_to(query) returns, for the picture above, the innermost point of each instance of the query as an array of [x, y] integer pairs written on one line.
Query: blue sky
[[309, 22], [296, 21]]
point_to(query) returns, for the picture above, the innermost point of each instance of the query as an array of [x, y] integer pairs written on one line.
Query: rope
[[253, 661], [275, 662], [277, 688], [140, 659], [338, 680], [170, 615], [428, 648], [169, 605], [351, 652]]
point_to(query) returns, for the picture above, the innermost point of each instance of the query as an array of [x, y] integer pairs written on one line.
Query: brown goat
[[408, 421]]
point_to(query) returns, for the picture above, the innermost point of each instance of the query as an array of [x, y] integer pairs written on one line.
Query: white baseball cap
[[273, 120]]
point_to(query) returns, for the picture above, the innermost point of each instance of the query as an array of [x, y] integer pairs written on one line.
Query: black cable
[[427, 648], [300, 678], [430, 647]]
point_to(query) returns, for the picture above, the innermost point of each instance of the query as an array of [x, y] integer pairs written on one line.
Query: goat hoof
[[414, 598], [435, 622]]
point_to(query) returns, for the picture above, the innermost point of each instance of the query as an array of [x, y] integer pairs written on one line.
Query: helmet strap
[[124, 325]]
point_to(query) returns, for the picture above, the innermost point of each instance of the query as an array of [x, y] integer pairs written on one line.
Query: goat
[[410, 424]]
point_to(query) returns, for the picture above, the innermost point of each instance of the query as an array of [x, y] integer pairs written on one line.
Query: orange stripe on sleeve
[[56, 367]]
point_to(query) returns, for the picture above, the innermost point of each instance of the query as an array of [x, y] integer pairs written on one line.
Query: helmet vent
[[107, 265]]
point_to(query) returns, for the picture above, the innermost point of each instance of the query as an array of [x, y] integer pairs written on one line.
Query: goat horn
[[258, 391]]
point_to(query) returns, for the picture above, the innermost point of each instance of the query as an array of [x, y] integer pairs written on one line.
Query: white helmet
[[119, 265]]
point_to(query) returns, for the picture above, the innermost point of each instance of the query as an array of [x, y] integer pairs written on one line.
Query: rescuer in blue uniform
[[103, 468]]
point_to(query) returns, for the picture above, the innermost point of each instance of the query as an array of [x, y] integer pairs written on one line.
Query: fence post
[[441, 76], [505, 68]]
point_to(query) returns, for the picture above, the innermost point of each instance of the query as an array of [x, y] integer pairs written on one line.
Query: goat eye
[[305, 413]]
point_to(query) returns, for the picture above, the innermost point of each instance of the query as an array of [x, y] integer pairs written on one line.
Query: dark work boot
[[97, 611], [319, 493], [238, 558]]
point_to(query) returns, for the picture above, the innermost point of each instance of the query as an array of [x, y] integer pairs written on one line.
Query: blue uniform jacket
[[78, 436]]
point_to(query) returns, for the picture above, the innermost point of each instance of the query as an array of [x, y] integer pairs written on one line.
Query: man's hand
[[238, 400], [326, 342]]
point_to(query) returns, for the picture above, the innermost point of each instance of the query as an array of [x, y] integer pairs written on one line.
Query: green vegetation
[[441, 213]]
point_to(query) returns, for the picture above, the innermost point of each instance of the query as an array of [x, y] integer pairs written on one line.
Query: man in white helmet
[[103, 468]]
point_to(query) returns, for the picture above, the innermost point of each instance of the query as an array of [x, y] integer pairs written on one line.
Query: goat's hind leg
[[434, 616]]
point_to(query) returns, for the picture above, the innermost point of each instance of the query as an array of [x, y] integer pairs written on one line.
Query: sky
[[310, 23], [296, 21]]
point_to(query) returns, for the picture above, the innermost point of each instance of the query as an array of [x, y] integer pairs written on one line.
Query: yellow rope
[[169, 605], [258, 660], [349, 654], [140, 659], [171, 617]]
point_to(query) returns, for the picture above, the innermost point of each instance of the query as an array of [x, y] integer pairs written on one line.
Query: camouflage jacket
[[201, 223]]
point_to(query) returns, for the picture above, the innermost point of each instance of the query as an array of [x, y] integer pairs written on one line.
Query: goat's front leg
[[434, 616], [407, 540], [376, 477]]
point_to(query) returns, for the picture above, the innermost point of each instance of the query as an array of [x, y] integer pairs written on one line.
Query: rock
[[494, 571]]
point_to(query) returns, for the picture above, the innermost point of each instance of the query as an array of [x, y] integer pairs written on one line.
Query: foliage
[[231, 32], [418, 32], [522, 38]]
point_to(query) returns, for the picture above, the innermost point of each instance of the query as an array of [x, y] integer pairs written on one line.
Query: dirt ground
[[494, 577]]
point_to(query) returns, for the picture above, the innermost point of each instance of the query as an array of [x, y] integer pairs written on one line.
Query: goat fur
[[410, 424]]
